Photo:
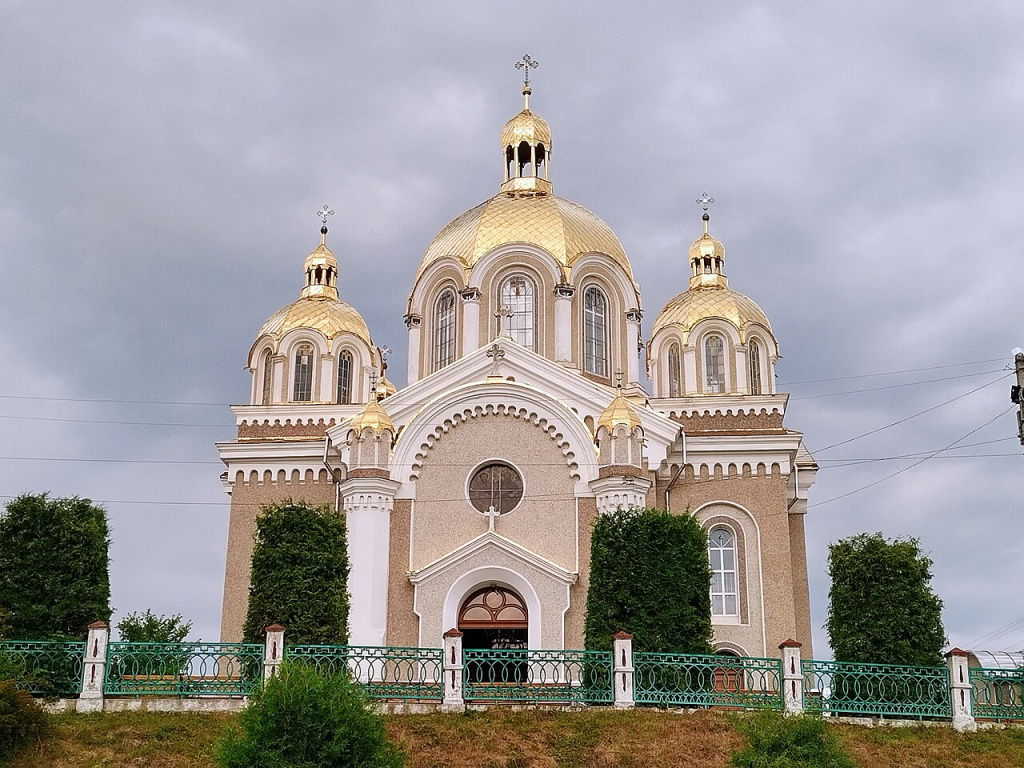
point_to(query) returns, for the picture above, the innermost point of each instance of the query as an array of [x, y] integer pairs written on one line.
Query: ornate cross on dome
[[527, 64], [373, 384], [618, 379], [704, 200], [323, 213]]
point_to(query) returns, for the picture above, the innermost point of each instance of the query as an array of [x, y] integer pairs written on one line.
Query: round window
[[495, 485]]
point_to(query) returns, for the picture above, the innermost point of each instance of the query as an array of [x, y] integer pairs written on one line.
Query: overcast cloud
[[161, 164]]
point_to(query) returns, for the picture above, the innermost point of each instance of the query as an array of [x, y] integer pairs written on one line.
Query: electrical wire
[[893, 386], [890, 373]]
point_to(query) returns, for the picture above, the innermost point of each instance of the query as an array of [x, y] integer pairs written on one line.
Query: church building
[[470, 494]]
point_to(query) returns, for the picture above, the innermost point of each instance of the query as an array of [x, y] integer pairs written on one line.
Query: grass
[[510, 739]]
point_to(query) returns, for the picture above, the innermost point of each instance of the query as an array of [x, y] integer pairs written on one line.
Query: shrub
[[21, 719], [299, 575], [304, 718], [149, 628], [775, 741], [649, 576]]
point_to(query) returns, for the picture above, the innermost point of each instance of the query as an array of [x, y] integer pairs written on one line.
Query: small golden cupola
[[707, 260], [619, 434], [619, 411], [526, 145], [321, 270]]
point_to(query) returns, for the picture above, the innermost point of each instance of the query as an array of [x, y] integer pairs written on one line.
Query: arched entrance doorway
[[494, 618]]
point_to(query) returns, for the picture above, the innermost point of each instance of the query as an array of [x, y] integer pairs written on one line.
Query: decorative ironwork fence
[[45, 668], [886, 690], [670, 679], [386, 673], [997, 694], [573, 677], [183, 669]]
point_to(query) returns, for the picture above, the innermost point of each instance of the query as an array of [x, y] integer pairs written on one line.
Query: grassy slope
[[505, 739]]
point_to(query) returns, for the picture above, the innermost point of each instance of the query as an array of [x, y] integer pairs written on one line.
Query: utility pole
[[1017, 391]]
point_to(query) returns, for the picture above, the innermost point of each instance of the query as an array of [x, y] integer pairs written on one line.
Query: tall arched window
[[722, 555], [303, 389], [268, 376], [444, 329], [345, 377], [517, 296], [754, 354], [674, 372], [595, 332], [714, 364]]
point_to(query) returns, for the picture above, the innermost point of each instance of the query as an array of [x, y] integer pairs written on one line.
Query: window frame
[[754, 369], [591, 331], [506, 329], [306, 382], [344, 394], [444, 334], [723, 381], [673, 363], [724, 615]]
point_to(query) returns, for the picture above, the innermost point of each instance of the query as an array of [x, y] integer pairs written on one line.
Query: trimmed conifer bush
[[304, 718]]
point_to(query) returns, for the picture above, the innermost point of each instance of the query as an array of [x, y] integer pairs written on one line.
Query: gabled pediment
[[490, 540]]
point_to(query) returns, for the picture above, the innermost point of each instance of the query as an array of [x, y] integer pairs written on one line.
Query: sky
[[161, 165]]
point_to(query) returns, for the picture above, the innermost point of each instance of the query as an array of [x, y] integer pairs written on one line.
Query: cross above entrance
[[491, 514]]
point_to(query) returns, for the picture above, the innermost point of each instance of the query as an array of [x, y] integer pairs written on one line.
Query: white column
[[470, 320], [622, 670], [792, 678], [327, 391], [960, 691], [413, 322], [563, 323], [451, 668], [94, 668], [742, 368], [368, 502], [273, 651], [690, 384], [633, 318]]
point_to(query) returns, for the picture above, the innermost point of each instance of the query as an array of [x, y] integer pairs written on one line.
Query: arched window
[[303, 390], [444, 329], [495, 485], [595, 332], [517, 296], [268, 376], [714, 364], [722, 555], [345, 377], [754, 354], [674, 372]]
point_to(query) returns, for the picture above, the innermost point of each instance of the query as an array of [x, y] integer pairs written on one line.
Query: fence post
[[792, 678], [451, 670], [273, 651], [960, 691], [94, 668], [622, 670]]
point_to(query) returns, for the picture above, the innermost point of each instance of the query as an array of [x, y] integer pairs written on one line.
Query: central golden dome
[[562, 228]]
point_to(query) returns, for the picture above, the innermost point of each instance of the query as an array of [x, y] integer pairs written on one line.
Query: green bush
[[649, 576], [308, 719], [776, 741], [149, 628], [21, 719]]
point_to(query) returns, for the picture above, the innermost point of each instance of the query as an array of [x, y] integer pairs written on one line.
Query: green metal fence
[[683, 680], [45, 668], [183, 669], [997, 694], [885, 690], [386, 673], [571, 677]]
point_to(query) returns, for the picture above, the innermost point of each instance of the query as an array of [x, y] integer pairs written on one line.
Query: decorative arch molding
[[469, 582], [263, 344], [489, 399], [429, 284], [725, 645], [538, 259], [604, 269]]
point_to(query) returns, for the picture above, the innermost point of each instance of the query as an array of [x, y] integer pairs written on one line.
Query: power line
[[890, 373], [894, 386], [127, 423], [104, 461]]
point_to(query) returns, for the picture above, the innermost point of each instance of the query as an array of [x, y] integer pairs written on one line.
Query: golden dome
[[707, 247], [619, 411], [372, 416], [527, 127], [690, 307], [330, 317], [562, 228]]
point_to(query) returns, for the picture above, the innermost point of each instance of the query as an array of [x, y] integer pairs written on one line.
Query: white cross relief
[[496, 353], [504, 329], [491, 514]]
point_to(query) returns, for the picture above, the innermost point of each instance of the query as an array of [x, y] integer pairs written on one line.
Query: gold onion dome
[[708, 293], [528, 127], [318, 308], [372, 416], [619, 411]]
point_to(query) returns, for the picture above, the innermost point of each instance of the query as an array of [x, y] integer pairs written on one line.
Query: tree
[[54, 575], [149, 628], [299, 575], [881, 605], [649, 576]]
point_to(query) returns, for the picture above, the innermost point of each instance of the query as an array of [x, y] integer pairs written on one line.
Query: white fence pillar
[[94, 668], [622, 670], [273, 651], [451, 670], [960, 691], [792, 678]]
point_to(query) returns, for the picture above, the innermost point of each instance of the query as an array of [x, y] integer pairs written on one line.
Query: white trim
[[484, 540], [469, 582]]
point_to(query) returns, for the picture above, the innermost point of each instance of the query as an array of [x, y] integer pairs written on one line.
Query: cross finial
[[323, 213], [526, 64], [384, 352], [705, 200], [618, 379], [507, 313], [373, 382], [495, 352]]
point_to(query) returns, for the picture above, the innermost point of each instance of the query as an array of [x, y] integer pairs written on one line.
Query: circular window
[[495, 485]]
